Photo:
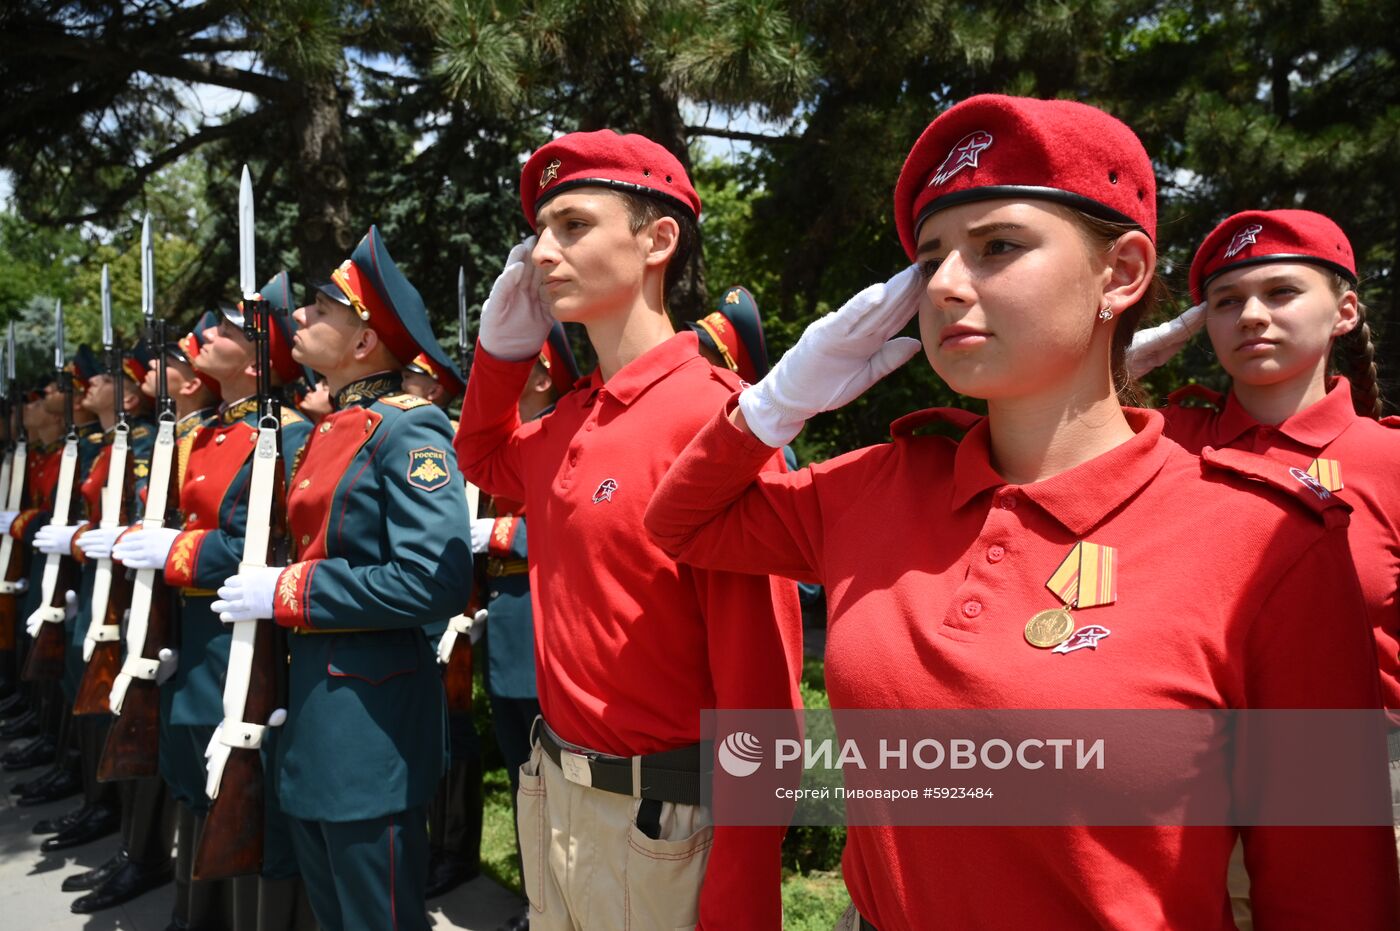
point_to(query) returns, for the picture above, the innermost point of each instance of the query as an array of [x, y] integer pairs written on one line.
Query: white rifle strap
[[135, 665], [5, 477], [67, 474], [235, 732], [473, 499], [112, 494], [12, 503]]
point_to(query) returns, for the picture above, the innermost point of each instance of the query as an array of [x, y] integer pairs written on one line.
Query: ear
[[1348, 314], [1130, 264], [365, 343], [661, 240], [131, 399]]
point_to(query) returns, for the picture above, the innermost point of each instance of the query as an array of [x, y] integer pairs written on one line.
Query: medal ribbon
[[1088, 577], [1328, 473]]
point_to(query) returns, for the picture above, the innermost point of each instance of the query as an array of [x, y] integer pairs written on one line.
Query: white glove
[[35, 621], [55, 539], [481, 533], [97, 542], [169, 661], [247, 596], [144, 548], [70, 606], [514, 322], [478, 628], [6, 519], [836, 360], [1154, 346]]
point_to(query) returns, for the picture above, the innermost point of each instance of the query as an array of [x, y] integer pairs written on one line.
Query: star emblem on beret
[[550, 173], [1245, 237], [963, 155]]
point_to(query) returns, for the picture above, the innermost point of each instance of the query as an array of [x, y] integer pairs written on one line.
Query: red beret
[[1258, 236], [630, 163], [992, 146]]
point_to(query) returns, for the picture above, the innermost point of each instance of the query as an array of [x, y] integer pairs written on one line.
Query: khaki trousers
[[588, 866]]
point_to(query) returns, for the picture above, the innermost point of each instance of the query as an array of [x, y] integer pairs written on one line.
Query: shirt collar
[[367, 390], [1081, 497], [634, 378], [1316, 425], [233, 413]]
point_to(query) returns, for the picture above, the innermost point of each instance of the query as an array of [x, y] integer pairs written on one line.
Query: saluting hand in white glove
[[514, 321], [1156, 345], [144, 548], [247, 596], [836, 360]]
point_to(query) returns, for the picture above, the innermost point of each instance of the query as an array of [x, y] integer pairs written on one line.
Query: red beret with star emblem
[[992, 146], [624, 162], [1257, 236]]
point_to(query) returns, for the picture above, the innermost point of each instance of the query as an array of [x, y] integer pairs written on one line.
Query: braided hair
[[1354, 355]]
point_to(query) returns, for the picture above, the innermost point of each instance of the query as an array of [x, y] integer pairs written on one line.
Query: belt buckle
[[576, 768]]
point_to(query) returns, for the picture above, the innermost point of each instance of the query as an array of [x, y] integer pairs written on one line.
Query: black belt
[[668, 776]]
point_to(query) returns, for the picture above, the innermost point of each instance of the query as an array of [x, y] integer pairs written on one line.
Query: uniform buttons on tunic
[[972, 608], [996, 553], [495, 594], [220, 438], [305, 539], [304, 483], [325, 428]]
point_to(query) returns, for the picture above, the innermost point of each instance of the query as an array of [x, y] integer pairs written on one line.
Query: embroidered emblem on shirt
[[1328, 473], [1311, 483], [963, 155], [1245, 237], [427, 468], [550, 173], [606, 488], [1087, 636]]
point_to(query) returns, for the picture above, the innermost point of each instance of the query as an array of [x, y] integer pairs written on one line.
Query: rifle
[[8, 605], [11, 556], [110, 589], [60, 572], [232, 841], [133, 742], [457, 663]]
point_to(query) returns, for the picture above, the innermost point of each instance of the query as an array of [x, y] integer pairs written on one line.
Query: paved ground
[[30, 897]]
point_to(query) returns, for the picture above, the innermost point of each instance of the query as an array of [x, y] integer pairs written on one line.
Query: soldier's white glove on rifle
[[836, 360], [1156, 345], [97, 542], [54, 539], [514, 321], [481, 534], [478, 629], [6, 519], [70, 611], [247, 596], [144, 548], [276, 719]]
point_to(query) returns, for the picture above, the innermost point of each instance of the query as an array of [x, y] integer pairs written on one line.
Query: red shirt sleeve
[[489, 434], [1313, 877]]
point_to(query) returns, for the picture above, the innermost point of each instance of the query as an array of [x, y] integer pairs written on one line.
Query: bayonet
[[247, 274]]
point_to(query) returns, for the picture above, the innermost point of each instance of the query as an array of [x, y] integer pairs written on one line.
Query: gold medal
[[1049, 628]]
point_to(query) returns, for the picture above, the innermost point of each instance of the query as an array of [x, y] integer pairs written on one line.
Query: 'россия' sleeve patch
[[427, 468]]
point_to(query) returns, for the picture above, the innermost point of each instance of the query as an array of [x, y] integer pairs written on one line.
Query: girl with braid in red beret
[[1032, 225]]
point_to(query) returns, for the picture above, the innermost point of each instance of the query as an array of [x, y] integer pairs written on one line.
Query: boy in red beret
[[629, 646]]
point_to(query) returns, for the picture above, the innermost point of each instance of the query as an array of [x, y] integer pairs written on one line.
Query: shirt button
[[325, 428], [1007, 501], [972, 608], [588, 426], [996, 553], [305, 539], [495, 594]]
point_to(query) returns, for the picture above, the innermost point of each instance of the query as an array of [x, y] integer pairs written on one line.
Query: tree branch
[[739, 136]]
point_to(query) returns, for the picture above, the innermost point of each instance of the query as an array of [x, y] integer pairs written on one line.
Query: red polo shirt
[[1369, 455], [629, 645], [933, 565]]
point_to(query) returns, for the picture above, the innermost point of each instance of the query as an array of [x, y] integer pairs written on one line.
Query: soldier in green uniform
[[378, 520], [215, 474]]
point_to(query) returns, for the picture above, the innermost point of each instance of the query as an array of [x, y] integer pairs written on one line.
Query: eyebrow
[[1216, 287], [976, 232], [550, 213]]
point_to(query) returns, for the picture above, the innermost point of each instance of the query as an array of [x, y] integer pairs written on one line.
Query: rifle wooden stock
[[45, 660], [9, 620], [232, 841], [95, 689], [133, 742], [106, 661]]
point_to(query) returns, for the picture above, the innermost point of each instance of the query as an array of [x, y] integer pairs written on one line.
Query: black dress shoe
[[65, 785], [60, 822], [13, 707], [99, 821], [447, 873], [38, 752], [37, 783], [26, 725], [91, 879], [123, 886], [520, 922]]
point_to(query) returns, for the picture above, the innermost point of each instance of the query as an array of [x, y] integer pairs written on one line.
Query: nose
[[210, 333], [950, 284], [299, 315], [546, 251], [1254, 314]]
